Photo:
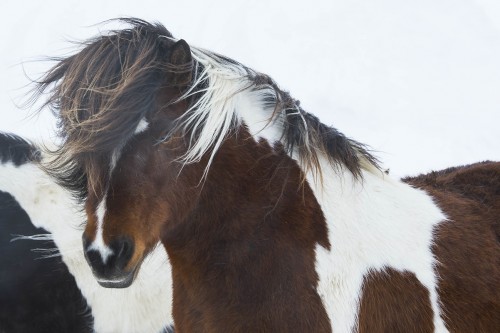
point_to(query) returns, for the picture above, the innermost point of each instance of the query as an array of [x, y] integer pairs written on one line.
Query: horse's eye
[[162, 136]]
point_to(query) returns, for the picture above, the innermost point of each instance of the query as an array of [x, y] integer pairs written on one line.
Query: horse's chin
[[123, 281], [117, 283]]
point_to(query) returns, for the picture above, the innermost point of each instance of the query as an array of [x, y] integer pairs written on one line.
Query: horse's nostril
[[124, 249]]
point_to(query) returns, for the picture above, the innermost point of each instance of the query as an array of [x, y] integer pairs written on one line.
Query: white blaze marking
[[142, 126], [98, 244]]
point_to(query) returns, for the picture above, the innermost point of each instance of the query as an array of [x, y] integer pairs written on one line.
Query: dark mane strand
[[307, 135], [17, 150]]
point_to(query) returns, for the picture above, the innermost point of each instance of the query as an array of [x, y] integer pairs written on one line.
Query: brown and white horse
[[272, 221]]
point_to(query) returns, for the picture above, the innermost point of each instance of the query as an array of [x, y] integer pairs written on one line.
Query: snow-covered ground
[[419, 81]]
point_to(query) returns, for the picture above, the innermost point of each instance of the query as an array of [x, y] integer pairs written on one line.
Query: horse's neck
[[264, 287], [243, 260], [374, 223]]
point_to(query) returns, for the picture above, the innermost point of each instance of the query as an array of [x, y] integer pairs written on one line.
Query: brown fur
[[253, 268], [468, 245], [394, 302]]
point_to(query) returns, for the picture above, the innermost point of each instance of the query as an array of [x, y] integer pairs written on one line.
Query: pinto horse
[[45, 282], [273, 221]]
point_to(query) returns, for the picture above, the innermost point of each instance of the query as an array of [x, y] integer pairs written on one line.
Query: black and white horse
[[35, 295]]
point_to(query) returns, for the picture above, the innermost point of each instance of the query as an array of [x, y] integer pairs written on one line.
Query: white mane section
[[146, 306], [210, 119], [229, 98]]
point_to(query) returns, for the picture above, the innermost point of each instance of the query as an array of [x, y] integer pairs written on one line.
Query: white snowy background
[[419, 81]]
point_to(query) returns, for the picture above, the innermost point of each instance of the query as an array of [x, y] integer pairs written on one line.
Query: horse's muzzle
[[109, 263]]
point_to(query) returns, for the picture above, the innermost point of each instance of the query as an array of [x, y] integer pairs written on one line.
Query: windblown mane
[[101, 93], [214, 114]]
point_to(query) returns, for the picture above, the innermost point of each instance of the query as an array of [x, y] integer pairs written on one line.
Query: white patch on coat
[[373, 225]]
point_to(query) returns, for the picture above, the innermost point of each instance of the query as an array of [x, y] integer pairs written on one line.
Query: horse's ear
[[180, 58], [180, 53]]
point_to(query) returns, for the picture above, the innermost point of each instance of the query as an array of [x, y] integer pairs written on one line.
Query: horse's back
[[467, 246], [479, 182]]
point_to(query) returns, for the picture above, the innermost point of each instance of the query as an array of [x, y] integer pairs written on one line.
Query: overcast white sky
[[419, 81]]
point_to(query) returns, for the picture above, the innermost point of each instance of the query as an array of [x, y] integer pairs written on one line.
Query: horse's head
[[128, 211], [118, 102]]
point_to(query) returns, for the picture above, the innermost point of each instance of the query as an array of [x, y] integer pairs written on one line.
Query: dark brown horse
[[273, 221]]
